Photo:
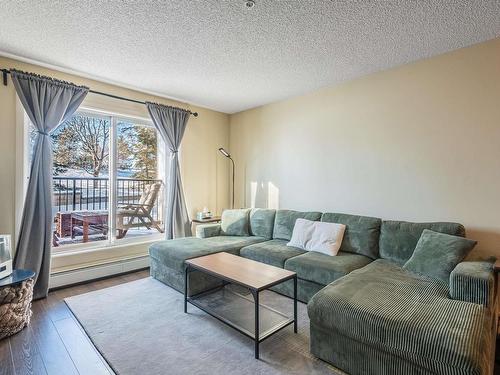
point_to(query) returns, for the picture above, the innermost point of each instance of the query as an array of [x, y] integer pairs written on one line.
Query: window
[[108, 181]]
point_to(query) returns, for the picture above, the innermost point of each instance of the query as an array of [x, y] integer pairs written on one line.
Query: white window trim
[[22, 177]]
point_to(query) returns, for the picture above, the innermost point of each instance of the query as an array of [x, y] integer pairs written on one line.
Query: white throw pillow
[[317, 236]]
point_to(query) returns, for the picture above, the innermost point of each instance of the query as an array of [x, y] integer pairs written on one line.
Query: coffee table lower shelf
[[237, 311], [241, 312]]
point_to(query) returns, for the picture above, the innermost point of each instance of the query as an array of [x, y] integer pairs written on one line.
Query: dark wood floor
[[54, 342]]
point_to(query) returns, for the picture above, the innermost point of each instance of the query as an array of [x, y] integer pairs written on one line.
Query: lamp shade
[[224, 152]]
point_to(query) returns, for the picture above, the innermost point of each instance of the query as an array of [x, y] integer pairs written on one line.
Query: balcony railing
[[88, 193]]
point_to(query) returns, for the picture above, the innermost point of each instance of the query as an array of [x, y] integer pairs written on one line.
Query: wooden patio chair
[[135, 215]]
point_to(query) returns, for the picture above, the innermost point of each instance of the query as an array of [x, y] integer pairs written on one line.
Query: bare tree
[[82, 142]]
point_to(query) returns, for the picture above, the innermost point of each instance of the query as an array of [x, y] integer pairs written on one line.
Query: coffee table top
[[246, 272], [84, 214]]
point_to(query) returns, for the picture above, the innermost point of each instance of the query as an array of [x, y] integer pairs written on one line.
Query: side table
[[16, 294], [213, 219]]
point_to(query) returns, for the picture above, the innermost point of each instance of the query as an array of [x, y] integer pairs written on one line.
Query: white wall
[[420, 142]]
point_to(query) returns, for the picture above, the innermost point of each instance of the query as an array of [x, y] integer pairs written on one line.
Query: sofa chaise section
[[382, 319], [168, 257], [240, 228]]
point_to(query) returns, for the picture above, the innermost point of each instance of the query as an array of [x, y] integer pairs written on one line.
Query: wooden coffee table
[[231, 307]]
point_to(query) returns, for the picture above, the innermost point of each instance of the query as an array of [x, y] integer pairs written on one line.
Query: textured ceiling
[[223, 56]]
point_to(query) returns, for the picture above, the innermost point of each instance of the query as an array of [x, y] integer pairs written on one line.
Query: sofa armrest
[[474, 282], [207, 230]]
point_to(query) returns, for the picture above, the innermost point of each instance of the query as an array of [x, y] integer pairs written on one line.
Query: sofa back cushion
[[262, 222], [361, 235], [399, 238], [285, 221], [235, 222]]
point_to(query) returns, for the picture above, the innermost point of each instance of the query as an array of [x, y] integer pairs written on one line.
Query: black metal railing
[[88, 193]]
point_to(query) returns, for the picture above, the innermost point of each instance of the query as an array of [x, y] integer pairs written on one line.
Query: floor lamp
[[226, 154]]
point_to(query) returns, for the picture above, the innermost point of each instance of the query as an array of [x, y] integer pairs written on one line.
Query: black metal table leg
[[186, 288], [256, 339], [295, 304]]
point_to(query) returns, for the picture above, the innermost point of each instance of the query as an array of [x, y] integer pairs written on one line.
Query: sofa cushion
[[274, 252], [361, 235], [399, 238], [437, 254], [207, 230], [262, 222], [323, 269], [397, 312], [285, 221], [173, 253], [235, 222]]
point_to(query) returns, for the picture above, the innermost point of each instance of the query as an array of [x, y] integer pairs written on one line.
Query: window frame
[[111, 241]]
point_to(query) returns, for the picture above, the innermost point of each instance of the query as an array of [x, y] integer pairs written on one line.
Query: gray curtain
[[171, 123], [48, 103]]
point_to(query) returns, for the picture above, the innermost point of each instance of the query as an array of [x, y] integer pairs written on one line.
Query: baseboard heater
[[80, 275]]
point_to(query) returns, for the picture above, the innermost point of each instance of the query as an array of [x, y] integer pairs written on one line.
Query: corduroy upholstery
[[173, 253], [361, 234], [324, 269], [262, 222], [375, 317], [473, 282], [207, 230], [274, 252], [437, 254], [399, 238], [285, 221], [305, 289], [391, 310], [235, 223]]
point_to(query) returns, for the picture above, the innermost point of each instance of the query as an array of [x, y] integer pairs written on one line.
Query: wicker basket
[[15, 307]]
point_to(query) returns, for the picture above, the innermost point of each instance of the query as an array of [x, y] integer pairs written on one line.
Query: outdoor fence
[[92, 194]]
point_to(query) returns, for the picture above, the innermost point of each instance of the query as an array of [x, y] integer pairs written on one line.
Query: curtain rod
[[7, 71]]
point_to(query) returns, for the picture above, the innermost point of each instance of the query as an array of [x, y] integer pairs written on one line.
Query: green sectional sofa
[[368, 314]]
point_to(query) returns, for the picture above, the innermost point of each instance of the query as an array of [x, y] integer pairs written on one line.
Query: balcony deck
[[81, 208]]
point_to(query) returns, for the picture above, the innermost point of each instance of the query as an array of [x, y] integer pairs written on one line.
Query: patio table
[[90, 218]]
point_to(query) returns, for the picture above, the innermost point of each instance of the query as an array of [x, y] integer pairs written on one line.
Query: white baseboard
[[61, 279]]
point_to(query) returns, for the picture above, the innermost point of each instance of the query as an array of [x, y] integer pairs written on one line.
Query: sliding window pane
[[139, 190], [81, 180]]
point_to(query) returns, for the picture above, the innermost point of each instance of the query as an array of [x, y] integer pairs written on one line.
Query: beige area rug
[[140, 328]]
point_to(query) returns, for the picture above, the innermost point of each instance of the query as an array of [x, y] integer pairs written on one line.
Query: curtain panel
[[48, 103], [171, 123]]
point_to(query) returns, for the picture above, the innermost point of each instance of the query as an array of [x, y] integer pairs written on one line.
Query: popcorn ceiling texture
[[222, 55]]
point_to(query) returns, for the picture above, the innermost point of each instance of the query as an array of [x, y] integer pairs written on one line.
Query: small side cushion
[[207, 230], [324, 269], [235, 222], [262, 222], [437, 254], [399, 238], [473, 282], [361, 234], [274, 252], [285, 221], [173, 253]]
